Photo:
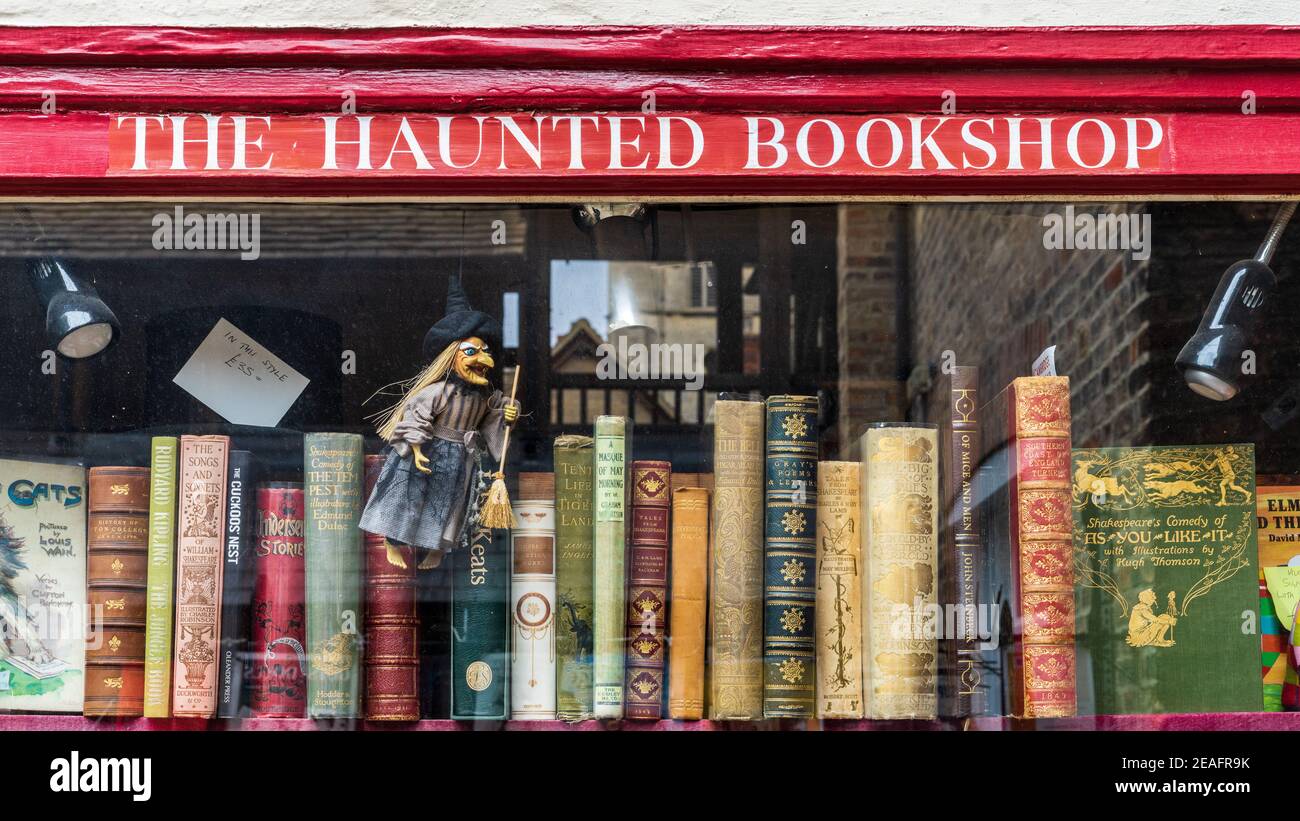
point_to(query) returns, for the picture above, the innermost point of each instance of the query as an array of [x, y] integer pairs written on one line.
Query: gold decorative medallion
[[792, 670], [795, 426], [113, 683], [117, 566], [114, 643], [793, 620], [478, 675], [794, 522], [793, 571]]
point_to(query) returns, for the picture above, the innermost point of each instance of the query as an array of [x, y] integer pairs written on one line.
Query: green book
[[573, 577], [332, 470], [480, 625], [611, 501], [162, 569], [1166, 579]]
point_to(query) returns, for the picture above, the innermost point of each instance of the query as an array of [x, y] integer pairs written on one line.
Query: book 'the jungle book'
[[1166, 568]]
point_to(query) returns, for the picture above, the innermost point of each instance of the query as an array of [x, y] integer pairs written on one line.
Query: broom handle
[[505, 444]]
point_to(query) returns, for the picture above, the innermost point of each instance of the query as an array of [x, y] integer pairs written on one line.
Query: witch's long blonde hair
[[435, 372]]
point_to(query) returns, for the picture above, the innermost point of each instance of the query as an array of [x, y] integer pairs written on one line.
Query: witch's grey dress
[[454, 422]]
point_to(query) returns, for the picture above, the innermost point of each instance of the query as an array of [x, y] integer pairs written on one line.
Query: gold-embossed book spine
[[736, 604], [901, 552], [687, 616], [790, 558], [839, 591]]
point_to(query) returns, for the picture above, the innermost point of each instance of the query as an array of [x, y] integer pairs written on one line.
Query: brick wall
[[869, 386]]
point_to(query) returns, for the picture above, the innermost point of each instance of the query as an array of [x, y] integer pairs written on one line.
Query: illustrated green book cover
[[332, 467], [1166, 579], [573, 578]]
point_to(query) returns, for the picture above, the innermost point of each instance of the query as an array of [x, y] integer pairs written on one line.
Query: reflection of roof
[[579, 342]]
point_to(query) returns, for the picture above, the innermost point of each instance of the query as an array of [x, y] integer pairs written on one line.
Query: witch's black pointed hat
[[461, 321]]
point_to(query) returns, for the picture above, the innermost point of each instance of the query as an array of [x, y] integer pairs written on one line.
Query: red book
[[1041, 535], [392, 658], [647, 590], [279, 659]]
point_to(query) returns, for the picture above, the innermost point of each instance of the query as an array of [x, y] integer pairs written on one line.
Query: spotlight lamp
[[78, 323], [616, 228], [1212, 360]]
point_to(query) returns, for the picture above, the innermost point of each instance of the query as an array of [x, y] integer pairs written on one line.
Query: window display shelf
[[1174, 722]]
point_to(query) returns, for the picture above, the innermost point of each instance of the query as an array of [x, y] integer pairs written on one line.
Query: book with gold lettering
[[165, 453], [333, 470], [198, 574], [900, 504], [43, 586], [117, 547], [611, 516], [1030, 577], [839, 591], [279, 637], [573, 643], [391, 657], [481, 624], [1166, 563], [736, 571], [790, 558], [532, 591], [687, 615], [962, 543], [647, 590]]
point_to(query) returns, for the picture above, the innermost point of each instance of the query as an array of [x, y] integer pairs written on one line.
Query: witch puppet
[[428, 491]]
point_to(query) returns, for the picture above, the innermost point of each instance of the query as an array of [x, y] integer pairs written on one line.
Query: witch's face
[[473, 363]]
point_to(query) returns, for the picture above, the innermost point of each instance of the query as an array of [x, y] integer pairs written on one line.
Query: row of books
[[980, 566]]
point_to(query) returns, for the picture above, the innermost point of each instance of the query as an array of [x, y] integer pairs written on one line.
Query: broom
[[496, 511]]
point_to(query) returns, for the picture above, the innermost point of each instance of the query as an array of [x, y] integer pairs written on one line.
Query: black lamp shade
[[77, 322], [1211, 361]]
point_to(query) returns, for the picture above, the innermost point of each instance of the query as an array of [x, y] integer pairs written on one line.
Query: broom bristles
[[496, 510]]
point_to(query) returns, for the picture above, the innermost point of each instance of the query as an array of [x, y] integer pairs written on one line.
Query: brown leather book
[[647, 590], [198, 574], [117, 550], [392, 658], [690, 574]]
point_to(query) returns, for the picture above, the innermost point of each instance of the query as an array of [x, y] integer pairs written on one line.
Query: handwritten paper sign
[[236, 377], [1284, 587], [1045, 364]]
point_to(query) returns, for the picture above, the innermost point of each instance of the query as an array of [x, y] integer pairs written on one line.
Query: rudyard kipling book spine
[[790, 558], [839, 591], [198, 574], [42, 586], [279, 652], [480, 625], [688, 615], [647, 590], [959, 669], [165, 453], [1166, 562], [117, 550], [237, 582], [574, 456], [1041, 655], [900, 513], [392, 657], [736, 567], [333, 470], [532, 591], [611, 507]]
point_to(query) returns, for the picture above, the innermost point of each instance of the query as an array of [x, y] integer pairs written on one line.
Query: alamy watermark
[[1098, 232], [182, 231], [653, 360]]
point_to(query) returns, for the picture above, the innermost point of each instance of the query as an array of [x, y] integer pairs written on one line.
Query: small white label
[[1045, 364], [236, 377]]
